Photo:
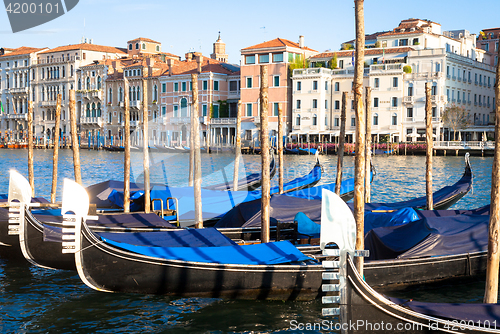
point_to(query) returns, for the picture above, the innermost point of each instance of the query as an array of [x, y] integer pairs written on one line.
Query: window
[[205, 84], [163, 87], [403, 42], [163, 110], [434, 89], [176, 111], [336, 121], [98, 82], [409, 112], [249, 109], [276, 81], [144, 46], [326, 104], [376, 82], [135, 73], [110, 95], [297, 120], [395, 82], [353, 121], [249, 82], [249, 60], [233, 86], [264, 59], [315, 85], [204, 109], [415, 41], [315, 120], [137, 46], [394, 101], [88, 83], [190, 85], [277, 57], [157, 48], [341, 63], [315, 104], [275, 109], [375, 102], [394, 119], [216, 86], [155, 93], [337, 86], [326, 85], [337, 105], [375, 119], [215, 111], [298, 104], [130, 46], [184, 86], [299, 85], [410, 90], [434, 111]]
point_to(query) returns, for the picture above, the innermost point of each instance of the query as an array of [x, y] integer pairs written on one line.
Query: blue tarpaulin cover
[[259, 254], [433, 236]]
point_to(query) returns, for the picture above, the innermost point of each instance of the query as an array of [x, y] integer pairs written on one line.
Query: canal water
[[36, 300]]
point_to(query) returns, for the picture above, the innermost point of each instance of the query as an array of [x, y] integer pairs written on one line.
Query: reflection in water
[[36, 300]]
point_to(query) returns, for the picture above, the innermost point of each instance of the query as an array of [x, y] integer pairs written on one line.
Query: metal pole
[[280, 146], [145, 136], [126, 137], [429, 141], [340, 150], [237, 150]]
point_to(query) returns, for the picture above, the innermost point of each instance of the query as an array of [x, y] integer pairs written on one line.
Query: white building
[[55, 73], [459, 74], [15, 83]]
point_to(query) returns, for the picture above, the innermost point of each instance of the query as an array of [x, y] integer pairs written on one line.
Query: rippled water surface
[[36, 300]]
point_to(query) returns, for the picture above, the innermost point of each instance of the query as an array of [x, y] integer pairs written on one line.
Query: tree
[[334, 61], [298, 63], [320, 64], [347, 46], [455, 118], [377, 44], [407, 69]]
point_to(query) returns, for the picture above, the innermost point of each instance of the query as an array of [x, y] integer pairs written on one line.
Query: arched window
[[133, 94], [98, 109], [98, 82], [64, 93], [130, 46], [79, 84], [88, 109], [110, 95], [375, 119], [144, 46], [120, 94], [394, 119], [297, 120], [158, 48], [93, 110], [184, 107], [71, 70], [315, 120], [138, 93], [88, 83], [155, 93], [63, 71], [130, 93], [137, 46]]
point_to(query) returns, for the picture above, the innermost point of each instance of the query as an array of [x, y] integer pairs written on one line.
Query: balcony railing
[[20, 90], [223, 121], [90, 94], [180, 120], [91, 121], [135, 104], [41, 61], [48, 103], [408, 99], [22, 117]]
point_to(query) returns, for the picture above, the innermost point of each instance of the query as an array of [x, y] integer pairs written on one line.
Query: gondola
[[307, 151], [250, 182], [291, 150], [365, 308]]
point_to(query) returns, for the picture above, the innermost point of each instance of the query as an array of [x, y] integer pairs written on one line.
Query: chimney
[[199, 60], [301, 41], [170, 63], [189, 56]]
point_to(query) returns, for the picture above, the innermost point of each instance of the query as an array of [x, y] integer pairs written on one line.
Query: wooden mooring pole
[[237, 149], [264, 147], [280, 146], [74, 137], [340, 149], [368, 152], [31, 172], [126, 139], [491, 290], [359, 173], [145, 136], [430, 143], [55, 158], [195, 134]]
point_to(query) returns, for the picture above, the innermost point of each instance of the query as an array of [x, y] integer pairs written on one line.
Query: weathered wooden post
[[74, 137], [191, 142], [237, 149], [264, 147], [280, 146], [31, 172], [195, 134], [491, 291], [359, 174], [145, 136], [429, 141], [340, 150], [126, 139], [368, 144], [55, 158]]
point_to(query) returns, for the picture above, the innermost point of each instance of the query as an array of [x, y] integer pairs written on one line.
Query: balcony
[[393, 127], [41, 61], [19, 117], [135, 104], [423, 76], [409, 119], [203, 120], [90, 94], [92, 121], [470, 81], [233, 94], [394, 108], [395, 68], [20, 90], [438, 98], [459, 79], [313, 127], [408, 99], [223, 121], [180, 120], [454, 78], [469, 103], [476, 82], [296, 127], [48, 103], [121, 104]]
